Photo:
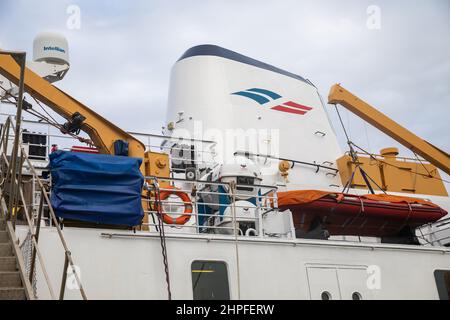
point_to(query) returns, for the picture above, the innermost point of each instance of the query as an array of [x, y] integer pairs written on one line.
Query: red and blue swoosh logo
[[264, 96]]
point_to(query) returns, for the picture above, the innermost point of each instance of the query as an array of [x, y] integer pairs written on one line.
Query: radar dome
[[51, 47]]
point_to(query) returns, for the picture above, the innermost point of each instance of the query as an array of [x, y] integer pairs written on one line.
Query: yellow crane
[[339, 95], [431, 153], [102, 132]]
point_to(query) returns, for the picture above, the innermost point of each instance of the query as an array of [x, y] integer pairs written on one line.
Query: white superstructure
[[216, 94]]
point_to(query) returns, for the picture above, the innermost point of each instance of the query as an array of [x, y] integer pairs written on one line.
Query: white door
[[353, 283], [323, 283], [335, 282]]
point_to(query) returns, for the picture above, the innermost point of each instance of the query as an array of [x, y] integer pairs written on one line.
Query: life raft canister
[[186, 216]]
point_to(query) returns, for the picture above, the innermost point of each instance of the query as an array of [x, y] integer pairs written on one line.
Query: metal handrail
[[293, 161], [230, 190], [205, 153], [34, 224]]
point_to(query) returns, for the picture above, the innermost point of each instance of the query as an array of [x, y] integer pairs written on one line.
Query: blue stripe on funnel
[[271, 94], [253, 96]]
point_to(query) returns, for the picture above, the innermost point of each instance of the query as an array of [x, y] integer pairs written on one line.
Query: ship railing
[[398, 158], [222, 201], [204, 152], [13, 203], [52, 134]]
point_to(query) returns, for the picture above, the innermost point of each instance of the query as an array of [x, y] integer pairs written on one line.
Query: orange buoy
[[186, 216]]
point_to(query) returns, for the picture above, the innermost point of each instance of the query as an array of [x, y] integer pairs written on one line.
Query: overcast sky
[[122, 54]]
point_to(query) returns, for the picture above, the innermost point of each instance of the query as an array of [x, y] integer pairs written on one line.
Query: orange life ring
[[186, 216]]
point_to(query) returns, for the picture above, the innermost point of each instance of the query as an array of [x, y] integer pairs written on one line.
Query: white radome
[[51, 47]]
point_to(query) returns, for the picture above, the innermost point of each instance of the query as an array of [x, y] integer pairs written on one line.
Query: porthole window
[[326, 295], [356, 296], [210, 280]]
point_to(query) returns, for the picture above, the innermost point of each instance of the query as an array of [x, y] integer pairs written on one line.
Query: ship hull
[[125, 265]]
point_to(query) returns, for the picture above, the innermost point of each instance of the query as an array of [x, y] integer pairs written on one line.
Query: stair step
[[12, 294], [8, 264], [3, 237], [2, 225], [10, 279], [5, 250]]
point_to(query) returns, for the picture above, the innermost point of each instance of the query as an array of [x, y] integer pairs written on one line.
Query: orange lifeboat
[[372, 215]]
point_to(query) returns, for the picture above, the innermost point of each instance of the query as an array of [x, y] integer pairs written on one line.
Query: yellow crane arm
[[339, 95], [102, 132]]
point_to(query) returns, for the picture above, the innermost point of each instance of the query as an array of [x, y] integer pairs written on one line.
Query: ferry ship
[[246, 193]]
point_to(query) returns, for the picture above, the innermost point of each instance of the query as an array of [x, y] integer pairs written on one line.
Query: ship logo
[[264, 96], [55, 48]]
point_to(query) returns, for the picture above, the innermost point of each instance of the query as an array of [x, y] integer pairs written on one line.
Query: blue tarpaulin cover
[[96, 188]]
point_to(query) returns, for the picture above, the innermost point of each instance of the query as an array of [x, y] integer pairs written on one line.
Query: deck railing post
[[36, 235], [3, 163], [5, 135], [20, 57], [34, 224], [16, 197], [64, 276], [236, 229]]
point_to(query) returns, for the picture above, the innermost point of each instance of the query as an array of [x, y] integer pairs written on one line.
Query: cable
[[350, 180], [420, 161], [342, 123], [354, 157], [162, 237], [46, 119], [7, 99], [366, 180], [373, 181], [393, 165], [7, 92], [43, 118], [378, 160], [58, 126], [39, 104], [367, 136]]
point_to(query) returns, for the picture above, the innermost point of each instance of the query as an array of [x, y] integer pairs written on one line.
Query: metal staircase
[[17, 276], [12, 271]]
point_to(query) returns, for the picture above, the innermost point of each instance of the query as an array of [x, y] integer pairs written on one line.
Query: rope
[[55, 124], [8, 94], [342, 123], [350, 180], [420, 161], [162, 237], [354, 157], [373, 181], [367, 135], [40, 105]]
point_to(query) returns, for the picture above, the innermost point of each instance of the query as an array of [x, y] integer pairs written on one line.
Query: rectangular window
[[442, 278], [210, 280]]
